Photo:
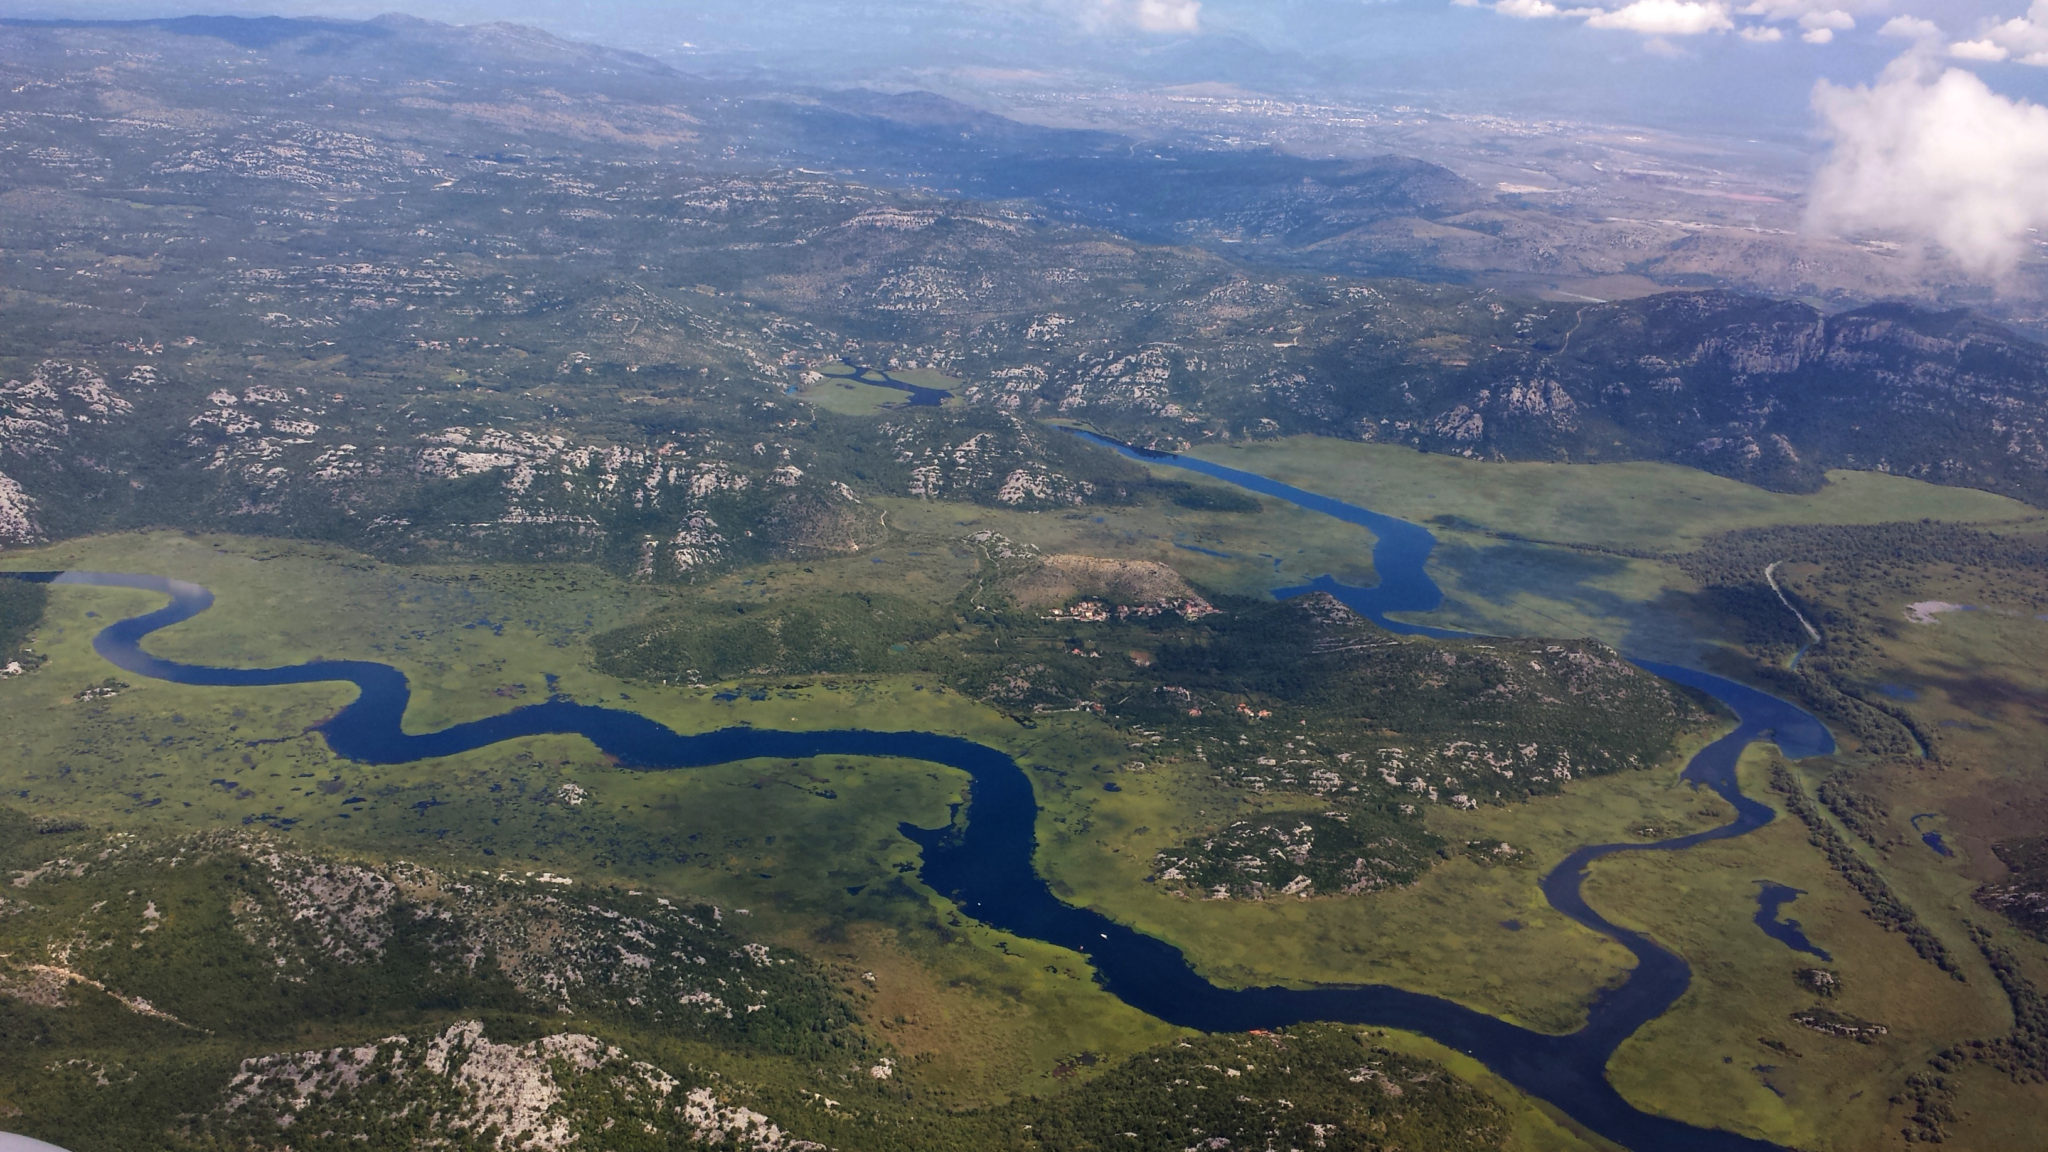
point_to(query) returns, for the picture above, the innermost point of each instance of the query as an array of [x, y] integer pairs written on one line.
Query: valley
[[600, 803], [719, 612]]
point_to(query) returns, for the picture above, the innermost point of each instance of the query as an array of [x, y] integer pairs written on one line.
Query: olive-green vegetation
[[785, 805], [1638, 507], [236, 933], [1861, 813], [226, 985], [812, 849], [701, 640], [1556, 549], [1927, 664], [1849, 576], [130, 956], [1742, 1048], [1382, 727], [1224, 551], [1885, 907], [853, 391], [2022, 896], [385, 297], [1839, 1025], [1475, 927], [1302, 700], [1312, 1087], [21, 609], [2021, 1055], [793, 853], [784, 839], [1348, 848]]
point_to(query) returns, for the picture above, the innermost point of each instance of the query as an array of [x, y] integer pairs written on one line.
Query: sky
[[1743, 63], [1928, 118]]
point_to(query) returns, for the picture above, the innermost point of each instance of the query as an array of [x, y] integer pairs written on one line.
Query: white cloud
[[1531, 9], [1910, 28], [1832, 20], [1784, 10], [1938, 159], [1162, 16], [1168, 15], [1977, 50], [2022, 38], [1649, 17], [1666, 17], [1976, 35]]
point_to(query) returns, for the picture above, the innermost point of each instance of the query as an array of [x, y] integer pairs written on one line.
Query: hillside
[[481, 291]]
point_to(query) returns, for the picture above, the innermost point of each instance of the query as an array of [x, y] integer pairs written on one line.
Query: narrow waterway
[[984, 862]]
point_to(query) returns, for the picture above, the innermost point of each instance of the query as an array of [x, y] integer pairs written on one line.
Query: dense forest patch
[[2022, 896], [21, 609]]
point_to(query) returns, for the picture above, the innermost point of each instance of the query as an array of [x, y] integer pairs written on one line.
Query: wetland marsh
[[986, 866], [1602, 989]]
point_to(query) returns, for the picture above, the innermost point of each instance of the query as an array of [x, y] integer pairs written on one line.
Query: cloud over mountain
[[1936, 157], [1161, 16]]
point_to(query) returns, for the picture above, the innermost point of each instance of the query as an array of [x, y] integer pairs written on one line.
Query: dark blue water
[[1931, 838], [1400, 551], [920, 396], [1770, 901], [984, 862]]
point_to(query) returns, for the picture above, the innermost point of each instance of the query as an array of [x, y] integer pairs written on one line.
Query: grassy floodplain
[[833, 875], [840, 392], [756, 835], [1489, 515], [830, 876], [1644, 506], [1975, 676], [1731, 1040], [1235, 552], [1479, 933]]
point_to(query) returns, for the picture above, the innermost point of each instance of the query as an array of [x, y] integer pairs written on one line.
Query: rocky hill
[[238, 991], [481, 291]]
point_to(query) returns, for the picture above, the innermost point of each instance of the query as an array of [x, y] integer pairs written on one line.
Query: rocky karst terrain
[[477, 290]]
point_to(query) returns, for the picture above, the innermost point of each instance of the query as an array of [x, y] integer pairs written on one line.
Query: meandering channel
[[984, 862]]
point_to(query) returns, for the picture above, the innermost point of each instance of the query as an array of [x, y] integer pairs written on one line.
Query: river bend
[[984, 863]]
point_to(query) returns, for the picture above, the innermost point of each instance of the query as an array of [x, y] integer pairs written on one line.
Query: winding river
[[984, 864]]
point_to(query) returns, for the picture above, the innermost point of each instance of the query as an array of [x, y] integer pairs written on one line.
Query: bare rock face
[[459, 1084], [17, 514]]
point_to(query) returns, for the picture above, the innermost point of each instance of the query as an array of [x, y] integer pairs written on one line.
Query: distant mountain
[[393, 45], [1256, 203], [486, 290]]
